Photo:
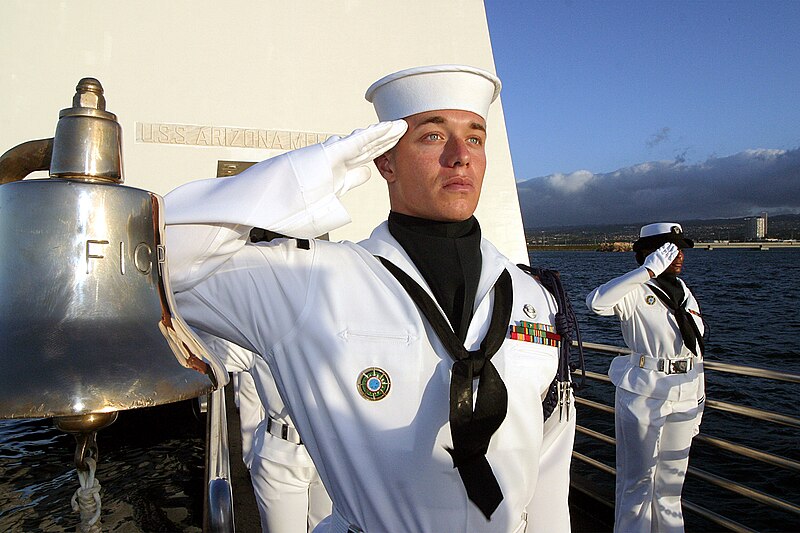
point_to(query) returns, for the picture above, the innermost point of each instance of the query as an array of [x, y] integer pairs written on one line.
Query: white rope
[[86, 499]]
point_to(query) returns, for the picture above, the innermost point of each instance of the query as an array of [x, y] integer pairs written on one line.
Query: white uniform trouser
[[653, 441], [291, 499], [251, 411]]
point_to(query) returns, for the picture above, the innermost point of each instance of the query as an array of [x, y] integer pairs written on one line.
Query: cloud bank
[[726, 187]]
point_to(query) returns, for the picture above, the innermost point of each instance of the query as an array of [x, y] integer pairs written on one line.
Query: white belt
[[283, 431], [678, 365]]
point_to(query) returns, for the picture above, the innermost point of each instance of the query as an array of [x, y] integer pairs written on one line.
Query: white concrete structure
[[196, 82]]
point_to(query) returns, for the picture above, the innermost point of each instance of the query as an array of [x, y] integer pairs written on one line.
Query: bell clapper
[[86, 499]]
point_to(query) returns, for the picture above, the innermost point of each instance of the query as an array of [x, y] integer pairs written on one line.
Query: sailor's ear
[[385, 165]]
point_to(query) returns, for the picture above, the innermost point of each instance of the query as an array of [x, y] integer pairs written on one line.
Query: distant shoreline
[[563, 247], [760, 245]]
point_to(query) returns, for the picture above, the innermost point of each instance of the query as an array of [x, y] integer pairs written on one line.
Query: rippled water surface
[[150, 469]]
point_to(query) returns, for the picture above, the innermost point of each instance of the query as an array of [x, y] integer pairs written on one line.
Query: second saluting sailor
[[659, 387]]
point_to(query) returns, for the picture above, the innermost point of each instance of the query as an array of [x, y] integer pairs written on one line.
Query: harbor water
[[151, 469], [151, 460]]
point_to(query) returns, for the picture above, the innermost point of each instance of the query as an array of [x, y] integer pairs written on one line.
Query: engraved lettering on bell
[[93, 251], [121, 258], [142, 255], [143, 258]]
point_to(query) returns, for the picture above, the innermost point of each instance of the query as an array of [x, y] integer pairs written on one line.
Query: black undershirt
[[448, 255]]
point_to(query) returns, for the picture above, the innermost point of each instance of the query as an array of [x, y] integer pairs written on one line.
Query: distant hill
[[726, 187], [729, 229]]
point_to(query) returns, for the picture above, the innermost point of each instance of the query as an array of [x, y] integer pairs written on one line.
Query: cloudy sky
[[627, 111]]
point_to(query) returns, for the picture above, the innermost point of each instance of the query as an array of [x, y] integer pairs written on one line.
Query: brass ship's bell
[[87, 320]]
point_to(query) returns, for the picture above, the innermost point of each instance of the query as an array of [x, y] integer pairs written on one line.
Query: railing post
[[218, 512]]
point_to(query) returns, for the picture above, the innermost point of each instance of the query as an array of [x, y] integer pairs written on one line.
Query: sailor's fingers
[[669, 251], [364, 145], [385, 142], [658, 260]]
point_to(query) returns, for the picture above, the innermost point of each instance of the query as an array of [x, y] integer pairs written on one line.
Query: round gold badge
[[374, 384]]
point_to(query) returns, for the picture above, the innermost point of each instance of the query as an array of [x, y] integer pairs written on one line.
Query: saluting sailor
[[394, 356], [659, 387]]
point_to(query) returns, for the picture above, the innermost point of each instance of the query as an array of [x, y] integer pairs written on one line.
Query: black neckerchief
[[448, 255], [471, 429], [674, 297], [669, 284]]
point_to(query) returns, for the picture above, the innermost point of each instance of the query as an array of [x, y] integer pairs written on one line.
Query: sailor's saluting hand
[[658, 261], [349, 157], [342, 161]]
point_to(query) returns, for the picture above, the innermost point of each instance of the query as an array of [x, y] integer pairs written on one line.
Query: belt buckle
[[641, 361], [679, 367]]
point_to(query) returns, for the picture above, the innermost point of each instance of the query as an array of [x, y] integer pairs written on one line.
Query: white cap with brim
[[652, 236], [660, 228], [420, 89]]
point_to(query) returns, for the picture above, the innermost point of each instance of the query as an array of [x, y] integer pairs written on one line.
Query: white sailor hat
[[420, 89], [652, 236]]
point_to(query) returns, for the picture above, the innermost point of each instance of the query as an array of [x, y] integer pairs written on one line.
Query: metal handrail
[[752, 412], [758, 455], [702, 474], [742, 490], [219, 494], [781, 462], [752, 371], [729, 368], [697, 509], [718, 519]]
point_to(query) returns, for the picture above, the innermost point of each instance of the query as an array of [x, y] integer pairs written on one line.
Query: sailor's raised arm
[[234, 357], [295, 194], [603, 299]]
